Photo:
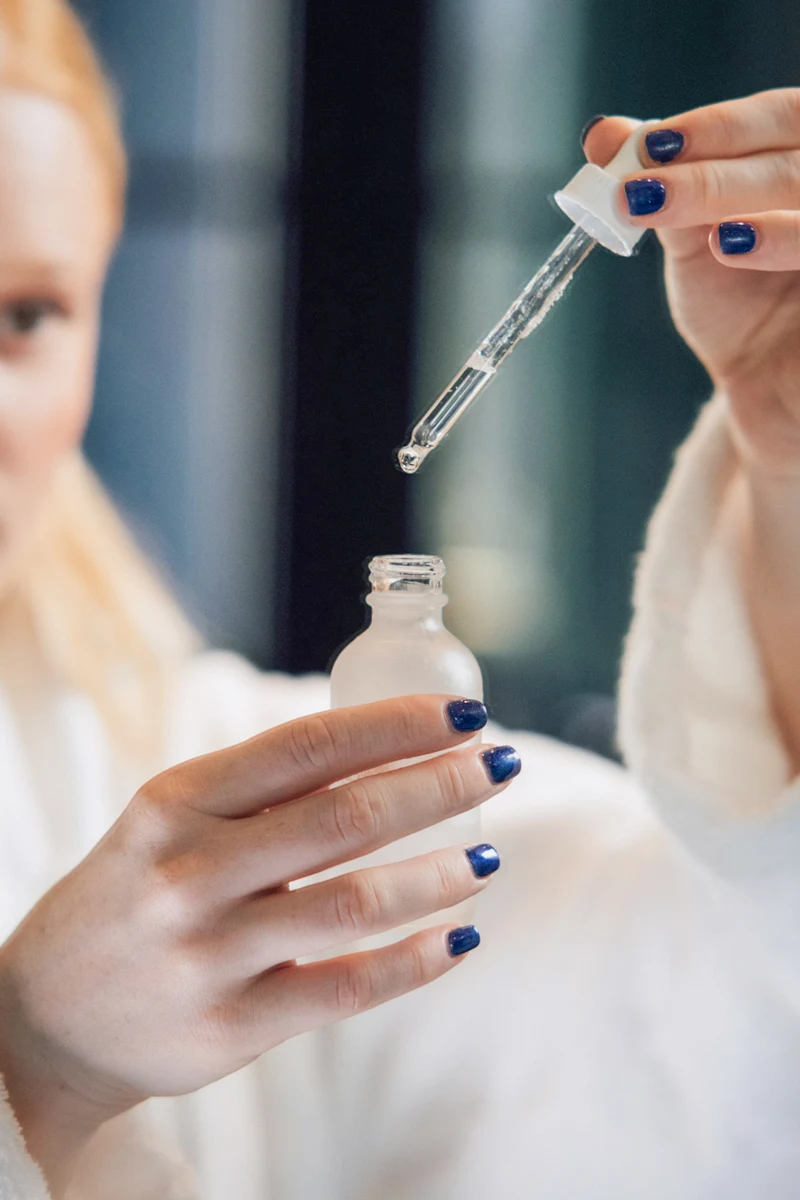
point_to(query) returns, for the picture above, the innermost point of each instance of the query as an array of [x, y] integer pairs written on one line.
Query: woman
[[629, 1026]]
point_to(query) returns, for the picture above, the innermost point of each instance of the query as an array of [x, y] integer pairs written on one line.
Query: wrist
[[54, 1129], [769, 508], [767, 512], [55, 1120], [764, 422]]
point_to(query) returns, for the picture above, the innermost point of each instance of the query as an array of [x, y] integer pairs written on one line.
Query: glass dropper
[[590, 200], [525, 314]]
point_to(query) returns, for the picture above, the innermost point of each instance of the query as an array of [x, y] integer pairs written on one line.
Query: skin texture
[[741, 316], [56, 235]]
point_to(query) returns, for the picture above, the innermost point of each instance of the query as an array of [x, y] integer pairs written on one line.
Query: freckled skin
[[57, 230]]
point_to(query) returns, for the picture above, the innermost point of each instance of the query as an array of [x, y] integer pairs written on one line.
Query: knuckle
[[786, 175], [222, 1025], [793, 240], [176, 890], [163, 806], [150, 810], [788, 181], [314, 742], [191, 971], [419, 965], [356, 988], [729, 125], [790, 101], [360, 906], [452, 783], [358, 813], [706, 185], [445, 883], [406, 720]]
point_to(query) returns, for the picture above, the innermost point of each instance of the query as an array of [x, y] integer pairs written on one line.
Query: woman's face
[[56, 235]]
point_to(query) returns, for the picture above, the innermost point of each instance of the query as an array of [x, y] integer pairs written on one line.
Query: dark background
[[330, 205]]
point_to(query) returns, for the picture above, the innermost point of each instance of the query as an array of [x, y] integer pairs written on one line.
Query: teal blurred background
[[330, 205]]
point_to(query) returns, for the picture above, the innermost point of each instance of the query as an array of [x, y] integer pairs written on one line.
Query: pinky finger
[[293, 999], [768, 242]]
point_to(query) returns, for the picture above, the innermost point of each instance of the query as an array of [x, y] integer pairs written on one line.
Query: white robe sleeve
[[695, 720], [20, 1178]]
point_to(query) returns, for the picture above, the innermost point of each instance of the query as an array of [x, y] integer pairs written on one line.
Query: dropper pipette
[[590, 200], [525, 314]]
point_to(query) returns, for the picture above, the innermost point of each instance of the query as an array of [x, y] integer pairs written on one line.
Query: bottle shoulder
[[377, 666]]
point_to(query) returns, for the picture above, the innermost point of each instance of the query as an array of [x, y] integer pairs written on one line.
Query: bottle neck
[[404, 613]]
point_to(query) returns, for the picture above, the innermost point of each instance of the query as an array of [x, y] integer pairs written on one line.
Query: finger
[[685, 244], [767, 242], [705, 193], [302, 756], [767, 121], [299, 998], [606, 137], [268, 930], [355, 818]]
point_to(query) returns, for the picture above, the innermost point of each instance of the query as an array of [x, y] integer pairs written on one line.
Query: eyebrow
[[52, 272]]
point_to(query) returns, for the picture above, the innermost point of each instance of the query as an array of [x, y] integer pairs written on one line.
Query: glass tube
[[525, 314]]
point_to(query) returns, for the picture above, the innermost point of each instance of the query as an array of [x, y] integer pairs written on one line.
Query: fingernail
[[590, 124], [502, 763], [467, 716], [664, 144], [460, 941], [736, 237], [645, 196], [483, 859]]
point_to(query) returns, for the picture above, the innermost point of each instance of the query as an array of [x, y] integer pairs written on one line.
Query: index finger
[[766, 121], [303, 756], [605, 138]]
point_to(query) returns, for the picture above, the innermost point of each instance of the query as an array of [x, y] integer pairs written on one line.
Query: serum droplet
[[409, 459]]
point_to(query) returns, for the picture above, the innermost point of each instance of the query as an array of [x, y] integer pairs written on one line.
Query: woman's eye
[[25, 317]]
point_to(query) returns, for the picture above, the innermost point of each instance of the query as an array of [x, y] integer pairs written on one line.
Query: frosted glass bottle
[[407, 650]]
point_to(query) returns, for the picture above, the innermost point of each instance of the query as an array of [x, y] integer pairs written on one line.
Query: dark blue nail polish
[[459, 941], [664, 144], [645, 196], [590, 124], [467, 716], [483, 859], [502, 763], [736, 237]]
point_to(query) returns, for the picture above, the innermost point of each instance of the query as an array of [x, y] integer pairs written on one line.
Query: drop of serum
[[409, 459]]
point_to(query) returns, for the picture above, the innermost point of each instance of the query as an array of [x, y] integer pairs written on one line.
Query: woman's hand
[[727, 178], [165, 959], [723, 194]]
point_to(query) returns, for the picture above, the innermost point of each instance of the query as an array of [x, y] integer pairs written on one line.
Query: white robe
[[629, 1026]]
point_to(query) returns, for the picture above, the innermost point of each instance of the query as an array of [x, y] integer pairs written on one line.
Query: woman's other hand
[[723, 193], [165, 959], [722, 190]]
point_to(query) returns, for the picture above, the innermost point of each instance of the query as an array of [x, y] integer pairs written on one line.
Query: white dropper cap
[[590, 198]]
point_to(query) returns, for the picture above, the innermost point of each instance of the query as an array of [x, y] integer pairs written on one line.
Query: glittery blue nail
[[502, 763], [645, 196], [467, 716], [736, 237], [483, 859], [664, 144], [460, 941]]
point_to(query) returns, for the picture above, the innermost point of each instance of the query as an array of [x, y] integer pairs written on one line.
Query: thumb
[[606, 137]]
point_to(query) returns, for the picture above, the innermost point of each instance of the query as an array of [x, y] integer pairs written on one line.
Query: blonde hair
[[102, 621]]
